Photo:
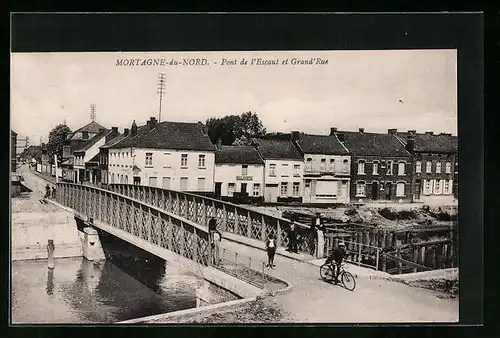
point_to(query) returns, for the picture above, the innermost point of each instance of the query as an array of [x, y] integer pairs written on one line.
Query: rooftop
[[277, 149], [320, 144], [169, 135], [363, 143], [237, 155], [434, 143], [93, 140], [92, 127]]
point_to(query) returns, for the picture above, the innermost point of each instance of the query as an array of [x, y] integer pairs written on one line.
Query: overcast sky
[[375, 90]]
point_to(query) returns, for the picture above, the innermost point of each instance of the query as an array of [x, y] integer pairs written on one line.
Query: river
[[81, 291]]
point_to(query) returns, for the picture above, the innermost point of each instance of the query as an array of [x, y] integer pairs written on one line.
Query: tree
[[235, 129], [57, 137]]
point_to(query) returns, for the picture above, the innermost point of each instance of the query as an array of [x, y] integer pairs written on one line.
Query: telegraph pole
[[92, 112], [161, 91]]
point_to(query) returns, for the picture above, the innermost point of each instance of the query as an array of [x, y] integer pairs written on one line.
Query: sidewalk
[[374, 300]]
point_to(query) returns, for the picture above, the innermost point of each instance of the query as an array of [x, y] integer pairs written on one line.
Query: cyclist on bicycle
[[337, 256]]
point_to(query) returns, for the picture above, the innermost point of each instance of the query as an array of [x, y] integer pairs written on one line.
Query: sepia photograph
[[234, 187]]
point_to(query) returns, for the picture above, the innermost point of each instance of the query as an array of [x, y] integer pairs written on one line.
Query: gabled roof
[[373, 144], [92, 127], [435, 143], [321, 144], [277, 149], [169, 135], [93, 140], [113, 141], [237, 155]]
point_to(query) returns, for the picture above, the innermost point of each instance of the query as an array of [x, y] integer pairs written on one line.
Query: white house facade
[[169, 155], [239, 174], [283, 170]]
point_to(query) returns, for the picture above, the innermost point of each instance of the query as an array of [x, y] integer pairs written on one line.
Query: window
[[201, 183], [360, 189], [332, 165], [389, 167], [272, 170], [166, 183], [256, 189], [448, 167], [418, 167], [184, 183], [184, 160], [230, 189], [112, 178], [428, 167], [346, 166], [244, 170], [427, 187], [149, 159], [284, 188], [447, 187], [438, 186], [166, 160], [361, 167], [401, 168], [153, 182], [400, 189], [323, 164], [296, 170], [125, 180], [375, 168], [201, 161], [309, 164], [438, 167], [296, 188]]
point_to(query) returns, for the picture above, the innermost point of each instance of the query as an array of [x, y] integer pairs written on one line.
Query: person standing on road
[[53, 192], [215, 238], [47, 191], [271, 251], [292, 238]]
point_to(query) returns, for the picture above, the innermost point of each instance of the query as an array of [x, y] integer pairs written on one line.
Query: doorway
[[137, 180], [417, 189], [388, 188], [243, 188], [218, 189], [375, 190]]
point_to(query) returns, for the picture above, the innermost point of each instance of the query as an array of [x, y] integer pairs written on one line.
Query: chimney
[[341, 137], [125, 131], [333, 131], [429, 133], [412, 132], [362, 130], [114, 129], [392, 131], [295, 135], [152, 122], [133, 129], [410, 142]]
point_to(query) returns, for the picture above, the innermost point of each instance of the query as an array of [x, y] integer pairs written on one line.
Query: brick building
[[436, 161], [381, 167]]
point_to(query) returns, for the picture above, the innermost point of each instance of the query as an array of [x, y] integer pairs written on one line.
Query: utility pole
[[92, 112], [161, 91]]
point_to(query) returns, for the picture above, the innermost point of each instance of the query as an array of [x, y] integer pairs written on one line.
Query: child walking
[[271, 251]]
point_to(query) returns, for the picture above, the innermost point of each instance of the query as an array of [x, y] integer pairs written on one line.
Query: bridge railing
[[140, 219], [232, 218]]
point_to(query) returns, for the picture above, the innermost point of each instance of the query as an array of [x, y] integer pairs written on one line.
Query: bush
[[387, 213], [403, 214]]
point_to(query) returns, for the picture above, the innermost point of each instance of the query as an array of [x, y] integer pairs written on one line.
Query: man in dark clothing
[[317, 222], [337, 256], [292, 238], [54, 192], [47, 191], [271, 251]]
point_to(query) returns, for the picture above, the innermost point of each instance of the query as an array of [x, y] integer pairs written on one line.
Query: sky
[[375, 90]]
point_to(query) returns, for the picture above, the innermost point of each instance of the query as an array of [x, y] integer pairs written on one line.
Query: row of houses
[[340, 167]]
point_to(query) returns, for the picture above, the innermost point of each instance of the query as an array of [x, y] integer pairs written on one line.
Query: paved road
[[373, 300]]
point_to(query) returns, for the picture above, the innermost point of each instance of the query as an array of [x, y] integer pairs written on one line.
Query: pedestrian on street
[[215, 237], [47, 191], [271, 251], [53, 192], [317, 222], [292, 237]]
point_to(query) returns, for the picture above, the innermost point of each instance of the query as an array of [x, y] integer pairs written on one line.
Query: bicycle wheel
[[326, 272], [348, 280]]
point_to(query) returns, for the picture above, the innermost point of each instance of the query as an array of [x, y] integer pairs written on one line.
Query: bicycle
[[327, 274]]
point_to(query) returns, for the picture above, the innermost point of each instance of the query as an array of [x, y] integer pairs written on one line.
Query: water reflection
[[81, 291], [50, 282]]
